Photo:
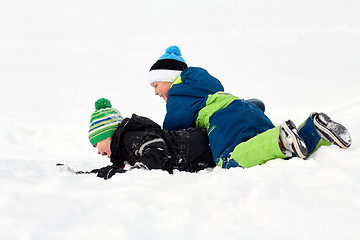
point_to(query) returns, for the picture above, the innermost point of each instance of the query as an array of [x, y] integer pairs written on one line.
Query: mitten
[[108, 171]]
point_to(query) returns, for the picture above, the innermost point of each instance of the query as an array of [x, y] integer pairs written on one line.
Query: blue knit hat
[[168, 67]]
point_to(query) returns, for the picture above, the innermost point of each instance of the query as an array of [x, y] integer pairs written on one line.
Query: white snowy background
[[58, 57]]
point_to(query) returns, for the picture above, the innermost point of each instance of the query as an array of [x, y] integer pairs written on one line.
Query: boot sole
[[331, 131]]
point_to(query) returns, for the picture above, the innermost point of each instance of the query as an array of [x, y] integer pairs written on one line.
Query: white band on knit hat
[[168, 67], [163, 75]]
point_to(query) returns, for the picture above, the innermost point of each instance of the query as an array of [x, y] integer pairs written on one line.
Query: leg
[[319, 130], [279, 142], [255, 151], [309, 134]]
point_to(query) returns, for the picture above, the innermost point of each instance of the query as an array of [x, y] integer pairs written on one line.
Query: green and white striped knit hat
[[104, 121]]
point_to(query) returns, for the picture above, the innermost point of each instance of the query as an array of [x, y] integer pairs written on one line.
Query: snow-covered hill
[[58, 57]]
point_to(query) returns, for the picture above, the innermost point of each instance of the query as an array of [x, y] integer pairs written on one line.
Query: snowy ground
[[58, 57]]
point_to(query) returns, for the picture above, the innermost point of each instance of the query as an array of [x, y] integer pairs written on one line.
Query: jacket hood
[[137, 122], [196, 82]]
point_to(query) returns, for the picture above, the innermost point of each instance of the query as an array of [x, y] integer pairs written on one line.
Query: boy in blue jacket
[[240, 134]]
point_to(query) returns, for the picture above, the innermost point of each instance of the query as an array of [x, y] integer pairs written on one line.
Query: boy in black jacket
[[142, 143]]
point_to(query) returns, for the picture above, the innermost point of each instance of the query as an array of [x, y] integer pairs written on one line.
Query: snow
[[58, 57]]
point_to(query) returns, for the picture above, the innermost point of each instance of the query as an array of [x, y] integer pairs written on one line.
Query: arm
[[105, 172], [152, 154], [180, 112]]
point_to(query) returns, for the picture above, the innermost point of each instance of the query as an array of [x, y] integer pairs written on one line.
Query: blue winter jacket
[[198, 99]]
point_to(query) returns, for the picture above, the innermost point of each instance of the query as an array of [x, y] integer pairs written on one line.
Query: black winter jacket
[[144, 144]]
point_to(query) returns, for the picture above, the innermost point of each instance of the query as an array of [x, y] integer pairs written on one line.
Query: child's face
[[104, 147], [162, 89]]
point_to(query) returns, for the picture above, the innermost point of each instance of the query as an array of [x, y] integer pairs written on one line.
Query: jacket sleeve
[[179, 113], [152, 154]]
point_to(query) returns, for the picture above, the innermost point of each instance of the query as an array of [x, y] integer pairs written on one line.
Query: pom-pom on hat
[[168, 67], [104, 121]]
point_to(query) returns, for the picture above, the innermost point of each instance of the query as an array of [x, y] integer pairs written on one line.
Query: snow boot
[[331, 131], [290, 142]]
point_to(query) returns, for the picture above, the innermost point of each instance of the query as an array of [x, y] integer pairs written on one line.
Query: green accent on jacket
[[177, 81], [214, 103]]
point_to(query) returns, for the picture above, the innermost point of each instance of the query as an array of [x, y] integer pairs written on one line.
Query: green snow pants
[[257, 150], [265, 146]]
